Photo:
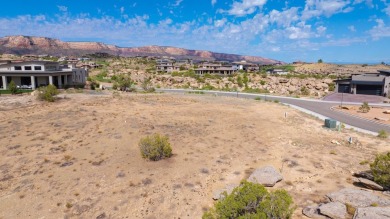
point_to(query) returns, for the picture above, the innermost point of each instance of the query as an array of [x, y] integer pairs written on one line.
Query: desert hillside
[[338, 70], [78, 157]]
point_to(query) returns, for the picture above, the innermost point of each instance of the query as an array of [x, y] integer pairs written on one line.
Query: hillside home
[[368, 84], [276, 71], [33, 74]]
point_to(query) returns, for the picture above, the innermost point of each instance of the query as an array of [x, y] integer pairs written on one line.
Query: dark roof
[[384, 71]]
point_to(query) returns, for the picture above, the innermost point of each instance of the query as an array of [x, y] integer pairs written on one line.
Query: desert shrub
[[12, 87], [332, 86], [47, 93], [364, 107], [251, 200], [381, 169], [305, 91], [122, 83], [383, 134], [147, 85], [155, 147]]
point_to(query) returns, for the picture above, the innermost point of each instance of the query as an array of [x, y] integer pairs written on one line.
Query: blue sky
[[334, 30]]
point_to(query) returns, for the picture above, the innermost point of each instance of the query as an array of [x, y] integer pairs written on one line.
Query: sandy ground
[[376, 113], [78, 157]]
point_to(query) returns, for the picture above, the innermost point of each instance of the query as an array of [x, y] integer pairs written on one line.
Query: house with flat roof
[[276, 71], [368, 84], [33, 74]]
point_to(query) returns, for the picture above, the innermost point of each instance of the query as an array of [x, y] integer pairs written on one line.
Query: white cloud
[[213, 2], [62, 8], [246, 7], [220, 23], [122, 10], [284, 18], [317, 8], [380, 30], [352, 28], [177, 3]]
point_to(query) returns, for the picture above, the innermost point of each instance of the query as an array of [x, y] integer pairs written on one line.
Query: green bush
[[383, 134], [305, 91], [250, 200], [155, 147], [47, 93], [364, 107], [381, 169], [12, 87]]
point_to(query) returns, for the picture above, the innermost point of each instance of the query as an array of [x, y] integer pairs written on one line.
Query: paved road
[[317, 106]]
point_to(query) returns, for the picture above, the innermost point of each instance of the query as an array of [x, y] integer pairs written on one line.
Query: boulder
[[372, 213], [318, 86], [328, 81], [335, 210], [368, 184], [218, 194], [365, 174], [267, 176], [357, 198], [294, 82], [381, 119], [313, 212], [387, 112]]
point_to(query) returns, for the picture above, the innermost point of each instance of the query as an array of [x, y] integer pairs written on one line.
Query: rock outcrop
[[267, 176], [22, 45]]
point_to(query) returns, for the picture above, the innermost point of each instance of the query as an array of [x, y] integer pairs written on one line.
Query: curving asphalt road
[[317, 106]]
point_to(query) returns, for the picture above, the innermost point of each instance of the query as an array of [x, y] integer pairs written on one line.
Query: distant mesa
[[22, 45]]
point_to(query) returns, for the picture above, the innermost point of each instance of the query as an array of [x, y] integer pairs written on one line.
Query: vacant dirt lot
[[78, 157]]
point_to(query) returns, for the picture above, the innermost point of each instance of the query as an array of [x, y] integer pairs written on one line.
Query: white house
[[33, 74]]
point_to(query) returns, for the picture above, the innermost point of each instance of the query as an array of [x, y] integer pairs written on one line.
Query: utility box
[[330, 123]]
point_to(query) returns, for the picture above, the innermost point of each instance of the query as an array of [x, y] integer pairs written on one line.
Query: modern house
[[368, 84], [276, 71], [33, 74]]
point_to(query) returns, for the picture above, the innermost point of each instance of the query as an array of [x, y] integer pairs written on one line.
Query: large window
[[27, 68], [18, 67], [37, 68]]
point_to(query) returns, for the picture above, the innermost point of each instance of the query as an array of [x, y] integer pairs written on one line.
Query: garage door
[[344, 88], [369, 89]]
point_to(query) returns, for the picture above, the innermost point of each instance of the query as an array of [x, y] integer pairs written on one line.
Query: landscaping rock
[[368, 184], [381, 119], [313, 212], [358, 198], [365, 174], [387, 112], [218, 194], [335, 210], [372, 213], [267, 176]]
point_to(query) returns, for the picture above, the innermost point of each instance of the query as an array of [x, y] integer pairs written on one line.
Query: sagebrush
[[251, 200], [381, 169], [47, 93], [155, 147]]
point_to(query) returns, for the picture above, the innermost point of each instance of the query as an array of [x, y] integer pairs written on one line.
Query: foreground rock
[[267, 176], [372, 213], [358, 198], [313, 212], [218, 194], [335, 210], [368, 184], [364, 174]]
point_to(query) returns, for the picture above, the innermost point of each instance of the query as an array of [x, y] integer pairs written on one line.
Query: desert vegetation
[[251, 200], [381, 169], [47, 93], [155, 147]]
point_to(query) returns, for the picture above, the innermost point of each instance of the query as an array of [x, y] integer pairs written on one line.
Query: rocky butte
[[21, 45]]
